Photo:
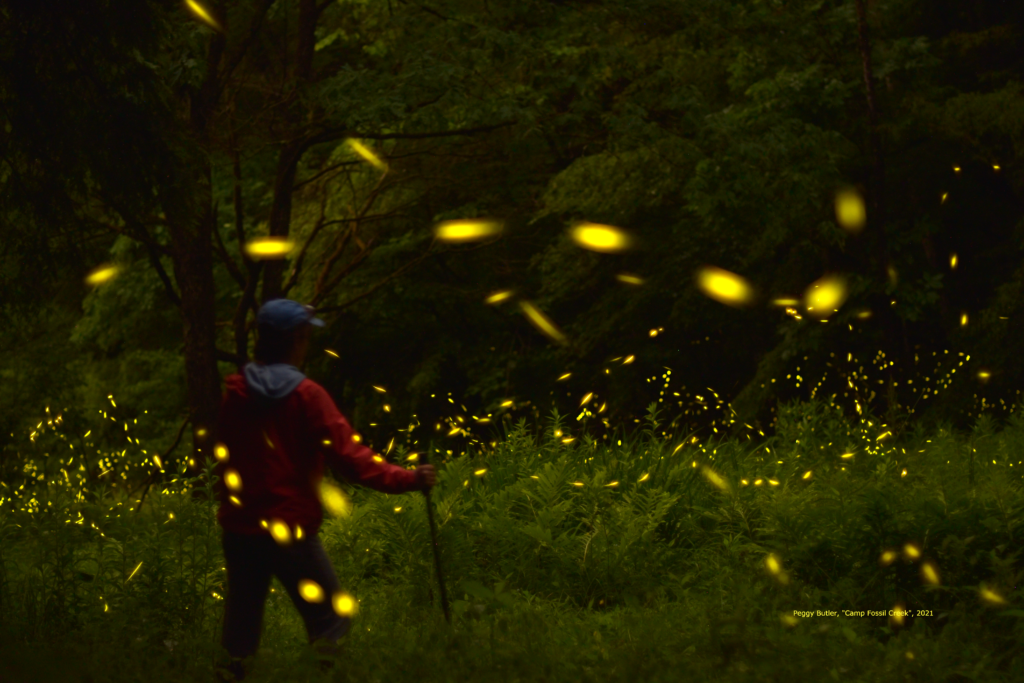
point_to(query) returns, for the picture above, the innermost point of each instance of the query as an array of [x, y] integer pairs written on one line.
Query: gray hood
[[272, 382]]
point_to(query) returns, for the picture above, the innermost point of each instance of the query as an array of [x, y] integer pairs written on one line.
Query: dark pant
[[250, 563]]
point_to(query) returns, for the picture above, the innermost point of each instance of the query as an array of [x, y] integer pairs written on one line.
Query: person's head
[[283, 331]]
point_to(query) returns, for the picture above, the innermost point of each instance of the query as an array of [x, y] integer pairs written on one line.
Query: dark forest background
[[715, 132]]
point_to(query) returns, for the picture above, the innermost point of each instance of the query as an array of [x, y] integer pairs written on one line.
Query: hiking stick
[[437, 551]]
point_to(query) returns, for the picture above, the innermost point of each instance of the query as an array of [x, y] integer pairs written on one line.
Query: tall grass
[[627, 559]]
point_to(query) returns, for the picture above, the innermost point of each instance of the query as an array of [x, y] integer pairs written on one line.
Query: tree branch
[[377, 286], [250, 39], [223, 253]]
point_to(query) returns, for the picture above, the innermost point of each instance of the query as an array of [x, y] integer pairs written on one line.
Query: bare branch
[[250, 39], [377, 286], [223, 253]]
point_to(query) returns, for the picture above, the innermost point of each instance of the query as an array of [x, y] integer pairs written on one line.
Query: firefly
[[311, 591], [629, 279], [268, 248], [221, 452], [887, 558], [344, 605], [984, 375], [602, 238], [990, 596], [331, 353], [724, 287], [785, 302], [929, 574], [963, 320], [715, 478], [850, 212], [233, 480], [541, 322], [101, 275], [498, 297], [365, 152], [911, 551], [280, 531], [203, 14], [952, 262], [334, 500], [466, 230], [825, 296]]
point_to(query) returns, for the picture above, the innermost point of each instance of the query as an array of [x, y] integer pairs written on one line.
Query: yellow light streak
[[268, 248], [586, 399], [203, 14], [466, 230], [498, 297], [785, 302], [629, 279], [602, 238], [332, 353], [929, 574], [541, 322], [366, 153], [724, 287], [952, 262], [102, 274], [221, 452]]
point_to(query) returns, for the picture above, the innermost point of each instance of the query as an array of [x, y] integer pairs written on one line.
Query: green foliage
[[569, 553]]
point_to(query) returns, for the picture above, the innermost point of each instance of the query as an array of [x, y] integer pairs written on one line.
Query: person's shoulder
[[312, 391]]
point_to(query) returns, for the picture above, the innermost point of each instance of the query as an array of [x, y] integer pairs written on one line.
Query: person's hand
[[427, 476]]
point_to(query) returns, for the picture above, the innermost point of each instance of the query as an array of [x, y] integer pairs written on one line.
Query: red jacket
[[278, 448]]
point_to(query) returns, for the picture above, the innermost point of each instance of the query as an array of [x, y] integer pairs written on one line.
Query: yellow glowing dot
[[356, 437], [280, 532], [963, 320], [365, 152], [602, 238], [498, 297], [850, 211], [788, 620], [506, 404], [952, 262], [263, 523], [629, 279], [724, 287], [896, 615], [466, 230], [643, 478], [629, 359], [221, 452], [785, 302], [480, 472], [377, 458], [298, 532], [159, 463], [344, 605], [995, 167], [233, 480], [201, 432], [984, 374], [235, 501], [311, 591], [956, 169], [334, 499], [715, 478], [268, 248], [772, 563], [929, 574], [944, 196], [825, 296], [888, 557], [577, 483], [757, 482], [990, 596], [846, 455], [101, 275], [911, 551], [807, 475]]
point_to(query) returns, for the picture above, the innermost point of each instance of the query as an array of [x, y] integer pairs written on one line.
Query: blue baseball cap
[[285, 315]]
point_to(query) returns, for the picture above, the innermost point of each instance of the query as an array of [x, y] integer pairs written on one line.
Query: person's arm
[[350, 459]]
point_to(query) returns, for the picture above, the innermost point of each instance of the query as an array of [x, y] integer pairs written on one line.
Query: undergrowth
[[644, 559]]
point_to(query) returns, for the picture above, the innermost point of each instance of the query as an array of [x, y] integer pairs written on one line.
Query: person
[[278, 429]]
